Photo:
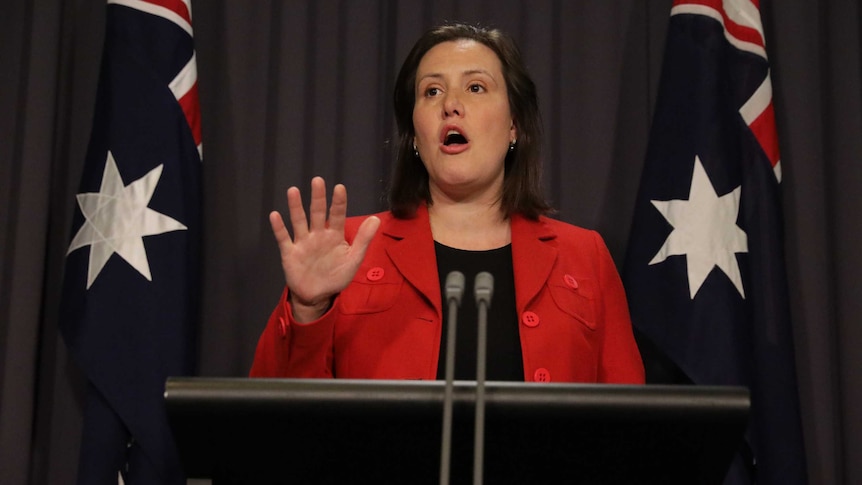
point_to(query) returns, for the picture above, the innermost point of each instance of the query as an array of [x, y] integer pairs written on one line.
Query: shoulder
[[582, 248], [575, 242], [564, 228], [570, 234]]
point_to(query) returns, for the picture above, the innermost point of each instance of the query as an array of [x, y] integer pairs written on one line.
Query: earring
[[415, 151], [512, 145]]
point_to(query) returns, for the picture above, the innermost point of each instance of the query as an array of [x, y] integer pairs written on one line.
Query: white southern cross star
[[117, 219], [704, 230]]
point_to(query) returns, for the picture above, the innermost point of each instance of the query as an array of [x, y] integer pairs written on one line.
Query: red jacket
[[574, 320]]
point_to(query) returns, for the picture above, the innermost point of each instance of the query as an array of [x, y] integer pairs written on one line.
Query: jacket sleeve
[[620, 360], [290, 349]]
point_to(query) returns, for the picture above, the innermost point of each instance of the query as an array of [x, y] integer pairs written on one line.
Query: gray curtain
[[292, 89]]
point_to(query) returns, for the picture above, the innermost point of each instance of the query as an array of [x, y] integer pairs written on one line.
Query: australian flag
[[130, 304], [704, 271]]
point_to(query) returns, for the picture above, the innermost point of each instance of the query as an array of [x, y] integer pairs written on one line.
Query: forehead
[[456, 56]]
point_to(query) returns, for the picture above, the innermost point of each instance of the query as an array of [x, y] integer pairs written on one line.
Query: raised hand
[[318, 262]]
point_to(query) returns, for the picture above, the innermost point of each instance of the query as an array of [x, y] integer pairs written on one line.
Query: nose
[[452, 106]]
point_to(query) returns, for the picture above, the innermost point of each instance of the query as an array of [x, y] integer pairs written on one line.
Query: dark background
[[292, 89]]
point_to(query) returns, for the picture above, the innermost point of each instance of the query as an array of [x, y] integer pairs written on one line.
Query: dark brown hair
[[522, 191]]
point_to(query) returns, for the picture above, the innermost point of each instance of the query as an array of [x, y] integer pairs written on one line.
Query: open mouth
[[454, 137]]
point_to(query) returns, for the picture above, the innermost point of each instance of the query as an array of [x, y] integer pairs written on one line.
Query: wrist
[[308, 311]]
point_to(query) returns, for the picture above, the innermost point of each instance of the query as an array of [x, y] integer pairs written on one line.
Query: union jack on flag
[[130, 296], [704, 271]]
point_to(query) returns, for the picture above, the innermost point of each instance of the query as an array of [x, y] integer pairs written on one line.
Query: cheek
[[420, 125], [501, 119]]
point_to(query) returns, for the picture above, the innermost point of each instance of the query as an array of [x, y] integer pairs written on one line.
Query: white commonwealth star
[[117, 219], [704, 230]]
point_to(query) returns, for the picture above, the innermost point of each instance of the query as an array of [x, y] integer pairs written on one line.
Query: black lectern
[[354, 431]]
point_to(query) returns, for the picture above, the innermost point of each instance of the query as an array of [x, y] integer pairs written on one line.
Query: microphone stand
[[454, 291], [483, 289]]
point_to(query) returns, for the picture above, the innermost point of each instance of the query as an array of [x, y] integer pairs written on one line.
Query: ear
[[513, 131]]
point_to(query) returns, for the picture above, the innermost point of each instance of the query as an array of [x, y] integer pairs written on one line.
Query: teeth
[[452, 132]]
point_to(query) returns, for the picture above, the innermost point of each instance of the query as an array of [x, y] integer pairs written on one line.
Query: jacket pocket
[[579, 302], [363, 296]]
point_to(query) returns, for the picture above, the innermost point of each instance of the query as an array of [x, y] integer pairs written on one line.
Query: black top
[[505, 362]]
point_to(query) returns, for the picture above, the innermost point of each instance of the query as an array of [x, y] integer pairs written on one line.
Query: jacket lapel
[[411, 249], [534, 253]]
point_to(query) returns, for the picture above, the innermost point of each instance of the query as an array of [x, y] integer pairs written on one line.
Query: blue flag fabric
[[130, 304], [704, 270]]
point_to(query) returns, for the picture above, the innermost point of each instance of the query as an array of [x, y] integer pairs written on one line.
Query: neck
[[470, 226]]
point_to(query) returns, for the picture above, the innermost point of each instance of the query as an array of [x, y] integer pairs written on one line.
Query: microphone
[[454, 291], [483, 288]]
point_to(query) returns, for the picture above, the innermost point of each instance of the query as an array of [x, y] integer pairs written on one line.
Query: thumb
[[364, 235]]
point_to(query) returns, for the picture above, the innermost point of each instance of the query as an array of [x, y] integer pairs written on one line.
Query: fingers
[[317, 216], [282, 237], [364, 235], [317, 209], [297, 213], [338, 209]]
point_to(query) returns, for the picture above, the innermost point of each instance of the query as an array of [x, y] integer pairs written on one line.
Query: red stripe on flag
[[763, 128], [713, 4], [190, 104], [175, 6], [741, 32]]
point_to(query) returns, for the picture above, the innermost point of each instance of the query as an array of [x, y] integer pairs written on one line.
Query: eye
[[431, 92], [476, 88]]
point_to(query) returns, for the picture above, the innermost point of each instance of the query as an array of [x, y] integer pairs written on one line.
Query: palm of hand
[[319, 265], [318, 262]]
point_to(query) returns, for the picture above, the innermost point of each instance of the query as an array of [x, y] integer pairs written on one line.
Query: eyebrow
[[437, 75]]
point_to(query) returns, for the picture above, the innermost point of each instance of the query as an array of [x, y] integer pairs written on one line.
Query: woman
[[363, 294]]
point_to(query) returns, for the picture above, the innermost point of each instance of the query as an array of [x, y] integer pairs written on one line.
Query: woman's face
[[462, 120]]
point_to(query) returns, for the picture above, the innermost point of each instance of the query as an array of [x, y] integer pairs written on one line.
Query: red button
[[571, 281], [542, 375], [530, 319], [375, 273]]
